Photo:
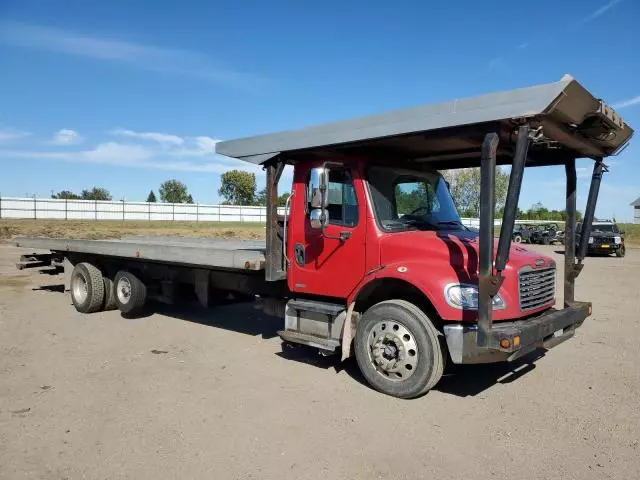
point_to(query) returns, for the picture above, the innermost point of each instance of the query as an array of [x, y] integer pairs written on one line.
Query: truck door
[[321, 263]]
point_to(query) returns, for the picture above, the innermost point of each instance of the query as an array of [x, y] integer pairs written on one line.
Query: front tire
[[620, 252], [517, 239], [546, 240], [398, 349], [87, 288], [130, 292]]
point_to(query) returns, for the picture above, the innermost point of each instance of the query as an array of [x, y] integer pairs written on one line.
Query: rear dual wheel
[[398, 349], [87, 288], [130, 292], [92, 292]]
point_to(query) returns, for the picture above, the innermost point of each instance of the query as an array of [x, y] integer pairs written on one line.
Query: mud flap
[[348, 329]]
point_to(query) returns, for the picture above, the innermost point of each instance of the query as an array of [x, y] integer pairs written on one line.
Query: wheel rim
[[393, 351], [123, 290], [80, 288], [517, 239]]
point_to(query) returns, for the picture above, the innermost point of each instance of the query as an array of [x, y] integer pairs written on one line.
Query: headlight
[[590, 239], [465, 297], [617, 240]]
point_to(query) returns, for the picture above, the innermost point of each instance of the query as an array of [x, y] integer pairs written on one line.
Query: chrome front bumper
[[533, 333]]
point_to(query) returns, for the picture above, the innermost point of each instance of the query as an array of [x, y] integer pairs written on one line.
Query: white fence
[[47, 208]]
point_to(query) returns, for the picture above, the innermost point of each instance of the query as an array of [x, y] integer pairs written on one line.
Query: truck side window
[[343, 204]]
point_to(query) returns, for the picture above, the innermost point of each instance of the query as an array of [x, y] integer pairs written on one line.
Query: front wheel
[[620, 252], [546, 240], [398, 349], [517, 238]]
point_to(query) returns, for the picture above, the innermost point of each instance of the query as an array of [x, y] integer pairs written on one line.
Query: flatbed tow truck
[[371, 258]]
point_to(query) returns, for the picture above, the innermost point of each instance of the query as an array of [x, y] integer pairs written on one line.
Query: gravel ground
[[209, 394]]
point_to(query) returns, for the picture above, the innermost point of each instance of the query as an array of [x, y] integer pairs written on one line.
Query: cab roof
[[567, 122]]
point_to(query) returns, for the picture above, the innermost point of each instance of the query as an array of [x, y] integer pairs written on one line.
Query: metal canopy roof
[[570, 123]]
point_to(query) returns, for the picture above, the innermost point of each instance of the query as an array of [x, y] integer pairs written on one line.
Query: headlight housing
[[590, 240], [465, 297], [617, 240]]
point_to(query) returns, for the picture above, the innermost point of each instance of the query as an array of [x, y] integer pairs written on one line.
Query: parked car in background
[[606, 238], [522, 233], [546, 234]]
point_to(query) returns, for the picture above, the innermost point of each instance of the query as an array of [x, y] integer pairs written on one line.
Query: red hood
[[459, 249], [433, 260]]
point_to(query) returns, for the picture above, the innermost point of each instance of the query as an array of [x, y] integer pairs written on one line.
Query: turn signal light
[[590, 310], [505, 343], [516, 341]]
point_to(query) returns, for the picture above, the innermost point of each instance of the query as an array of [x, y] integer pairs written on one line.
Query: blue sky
[[128, 94]]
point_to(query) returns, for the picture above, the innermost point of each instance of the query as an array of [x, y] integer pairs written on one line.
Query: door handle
[[344, 236]]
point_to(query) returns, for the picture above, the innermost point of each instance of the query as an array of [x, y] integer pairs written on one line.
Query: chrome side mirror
[[318, 188], [318, 218]]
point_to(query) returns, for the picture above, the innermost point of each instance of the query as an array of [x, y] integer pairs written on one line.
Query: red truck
[[371, 257]]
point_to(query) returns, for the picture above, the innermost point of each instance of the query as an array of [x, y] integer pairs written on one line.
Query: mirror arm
[[342, 237]]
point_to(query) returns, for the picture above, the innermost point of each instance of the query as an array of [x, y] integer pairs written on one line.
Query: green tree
[[261, 198], [96, 193], [66, 195], [189, 199], [151, 198], [282, 199], [465, 189], [173, 191], [238, 187]]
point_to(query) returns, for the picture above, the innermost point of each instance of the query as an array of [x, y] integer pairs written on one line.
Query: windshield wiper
[[418, 222], [454, 222]]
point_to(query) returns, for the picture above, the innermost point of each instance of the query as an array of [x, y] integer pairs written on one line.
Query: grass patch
[[93, 230], [631, 234]]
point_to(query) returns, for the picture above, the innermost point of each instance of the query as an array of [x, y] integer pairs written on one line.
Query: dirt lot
[[208, 394]]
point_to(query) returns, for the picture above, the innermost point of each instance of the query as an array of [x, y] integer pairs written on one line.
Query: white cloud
[[206, 144], [627, 103], [146, 57], [596, 13], [162, 138], [8, 136], [66, 137], [140, 156]]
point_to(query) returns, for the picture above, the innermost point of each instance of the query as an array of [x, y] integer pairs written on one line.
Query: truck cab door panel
[[332, 266]]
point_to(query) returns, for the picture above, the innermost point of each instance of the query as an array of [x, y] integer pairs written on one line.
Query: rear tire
[[398, 349], [87, 288], [546, 240], [130, 292]]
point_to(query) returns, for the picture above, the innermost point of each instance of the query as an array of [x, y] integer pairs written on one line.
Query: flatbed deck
[[198, 252]]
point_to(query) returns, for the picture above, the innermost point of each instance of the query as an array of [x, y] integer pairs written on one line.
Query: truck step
[[292, 336], [326, 308]]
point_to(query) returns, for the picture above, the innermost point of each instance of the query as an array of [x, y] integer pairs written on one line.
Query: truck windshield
[[604, 228], [405, 200]]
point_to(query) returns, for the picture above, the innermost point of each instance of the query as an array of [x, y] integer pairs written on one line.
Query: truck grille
[[537, 287], [603, 240]]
